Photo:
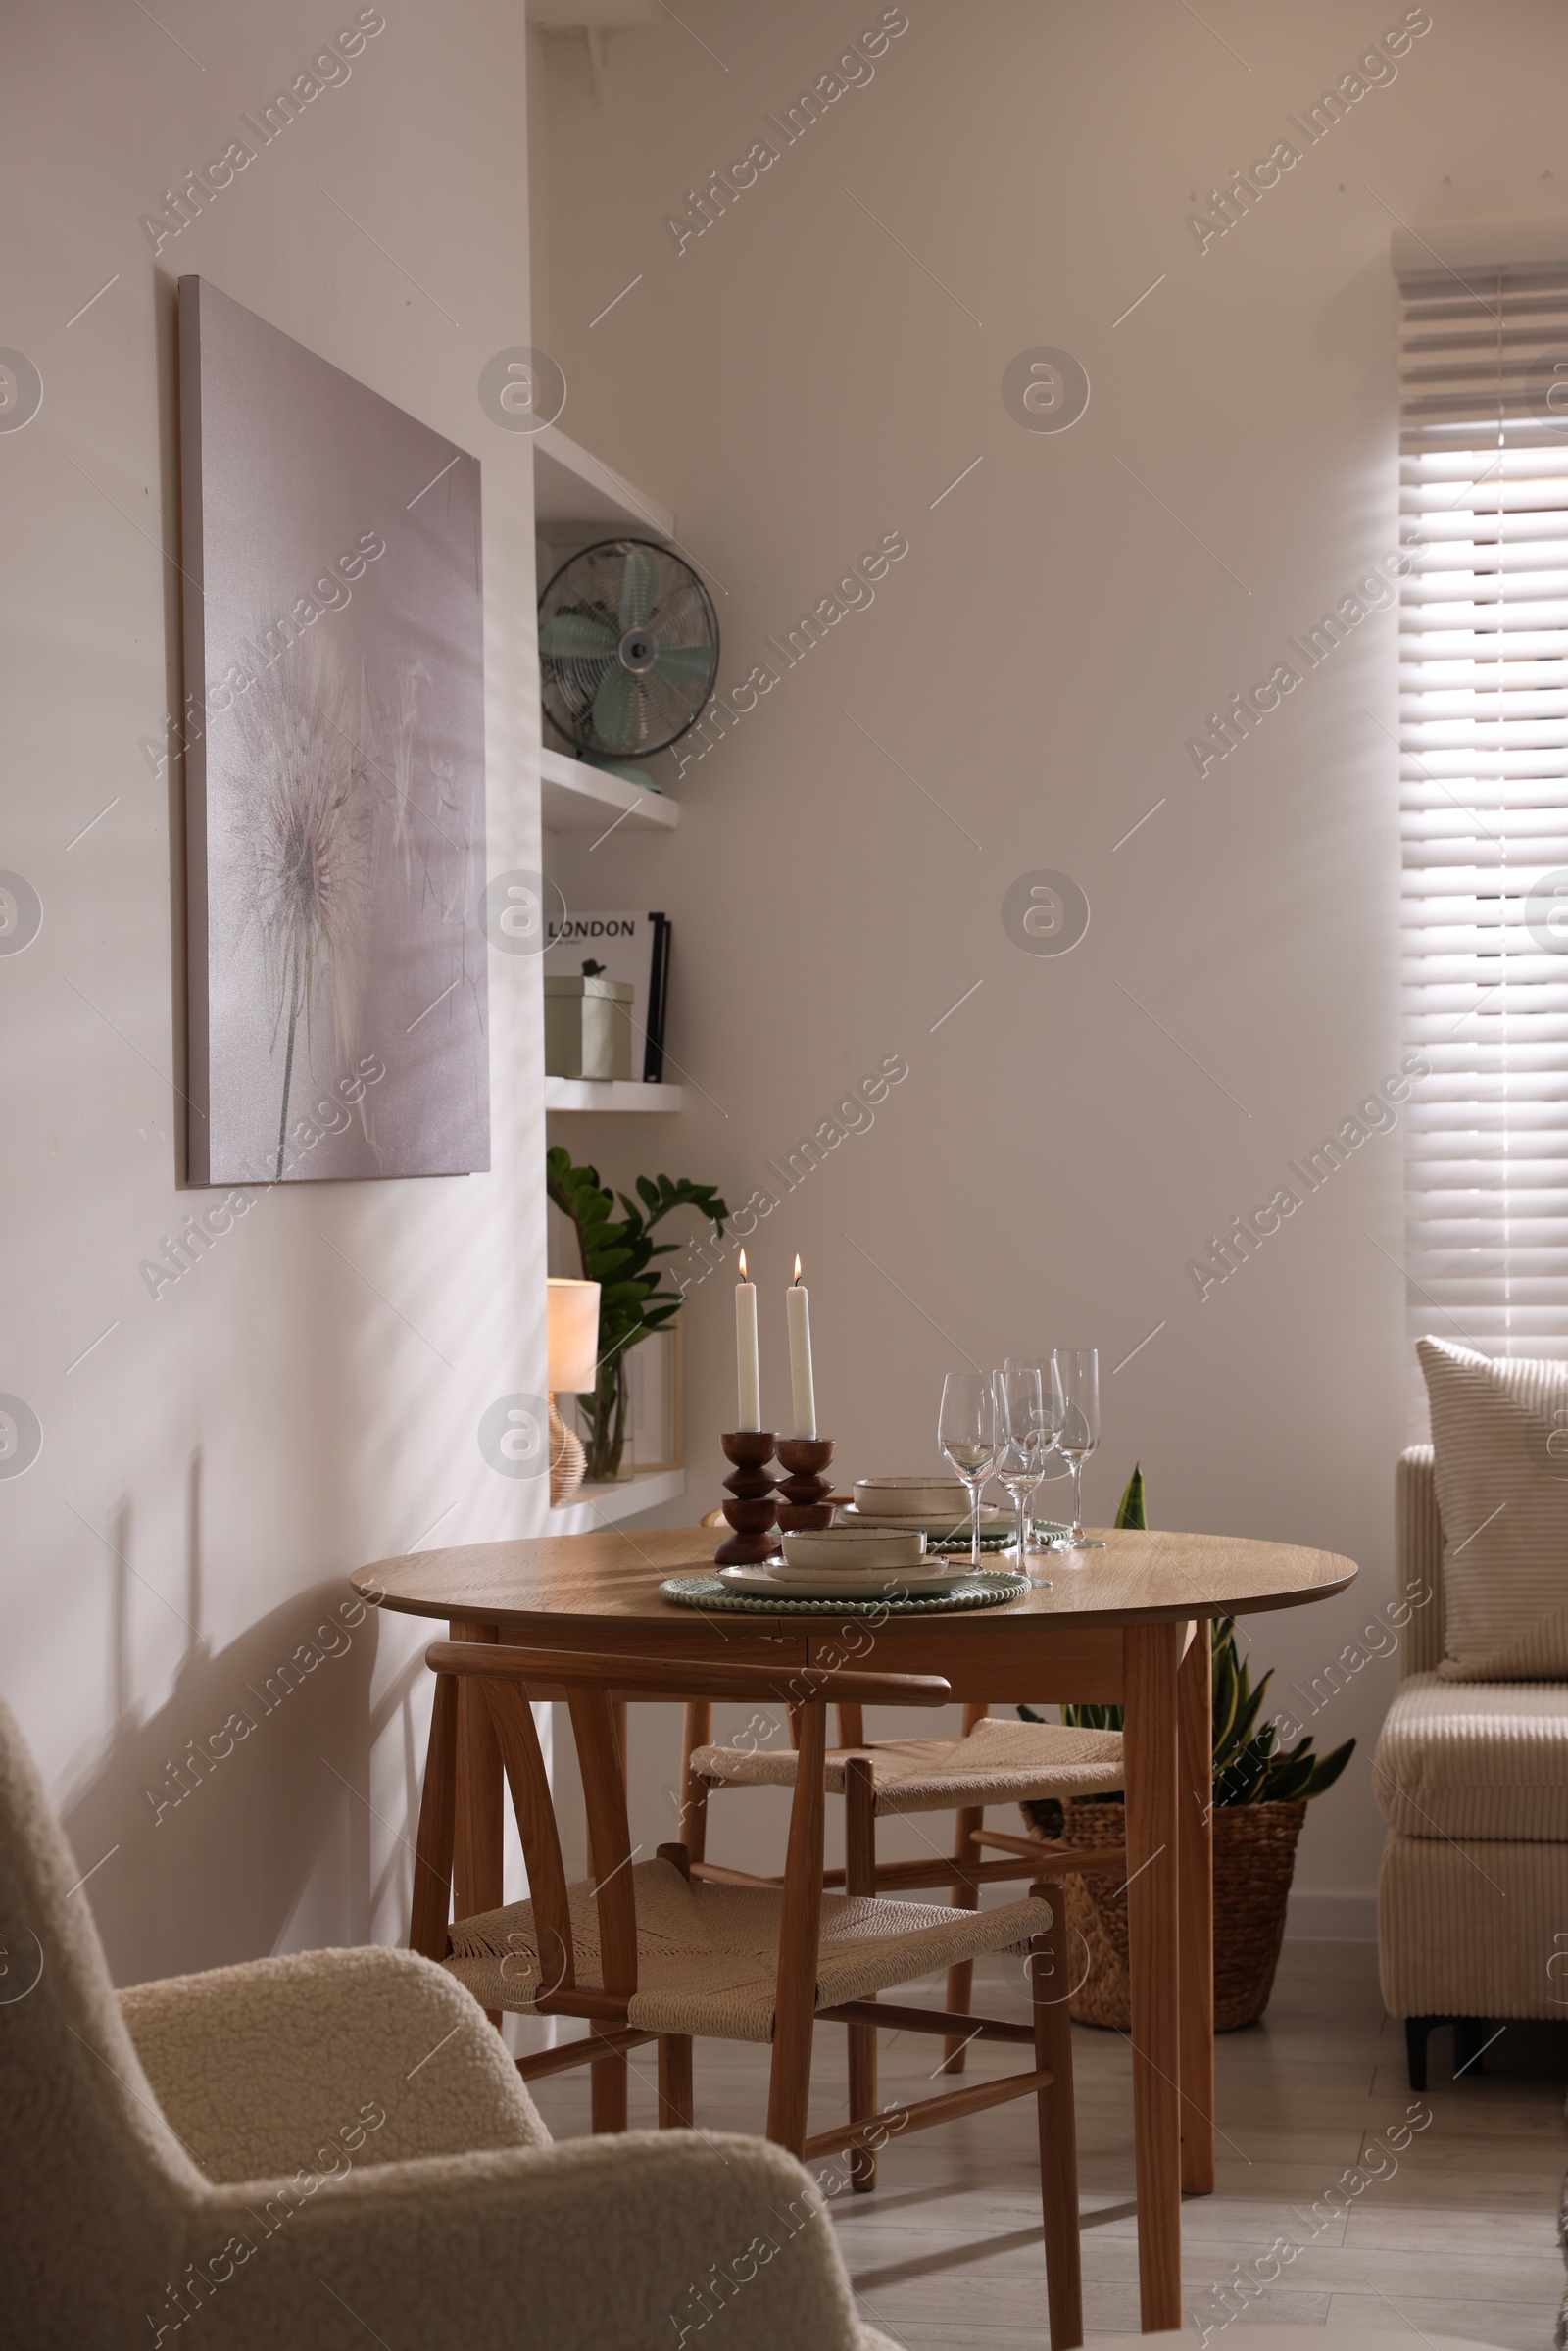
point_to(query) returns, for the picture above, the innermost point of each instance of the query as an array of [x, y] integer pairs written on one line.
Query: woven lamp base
[[567, 1460]]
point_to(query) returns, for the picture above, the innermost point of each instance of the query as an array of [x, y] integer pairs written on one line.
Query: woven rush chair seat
[[994, 1763], [707, 1956]]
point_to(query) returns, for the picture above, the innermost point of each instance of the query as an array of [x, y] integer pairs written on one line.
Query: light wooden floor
[[1459, 2239]]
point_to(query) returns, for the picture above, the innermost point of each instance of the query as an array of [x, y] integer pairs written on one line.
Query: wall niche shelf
[[577, 499], [603, 1505], [578, 799], [608, 1094], [576, 495]]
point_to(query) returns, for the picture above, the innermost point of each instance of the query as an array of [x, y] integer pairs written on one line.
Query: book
[[625, 947]]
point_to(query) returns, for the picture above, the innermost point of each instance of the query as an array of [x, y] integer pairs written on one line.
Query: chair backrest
[[509, 1681], [98, 2193], [1418, 1538]]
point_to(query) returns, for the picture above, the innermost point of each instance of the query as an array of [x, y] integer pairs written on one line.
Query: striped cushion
[[1454, 1761], [1500, 1436]]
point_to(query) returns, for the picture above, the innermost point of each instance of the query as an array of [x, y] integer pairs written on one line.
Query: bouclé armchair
[[333, 2148]]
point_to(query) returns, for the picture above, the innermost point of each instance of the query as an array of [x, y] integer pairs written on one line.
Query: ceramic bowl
[[911, 1497], [852, 1549]]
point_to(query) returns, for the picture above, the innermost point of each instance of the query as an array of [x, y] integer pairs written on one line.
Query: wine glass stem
[[974, 1523], [1022, 1498], [1077, 1501]]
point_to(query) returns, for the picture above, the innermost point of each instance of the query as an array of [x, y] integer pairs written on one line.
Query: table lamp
[[574, 1368]]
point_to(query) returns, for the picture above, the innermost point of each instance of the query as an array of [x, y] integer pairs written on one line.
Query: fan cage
[[596, 599]]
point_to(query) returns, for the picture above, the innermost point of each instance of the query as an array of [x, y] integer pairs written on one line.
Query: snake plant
[[1251, 1767]]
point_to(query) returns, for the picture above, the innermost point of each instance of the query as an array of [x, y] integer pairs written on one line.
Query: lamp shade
[[574, 1336]]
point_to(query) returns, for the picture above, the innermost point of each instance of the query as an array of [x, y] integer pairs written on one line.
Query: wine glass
[[1075, 1379], [1024, 1438], [967, 1431], [1052, 1465]]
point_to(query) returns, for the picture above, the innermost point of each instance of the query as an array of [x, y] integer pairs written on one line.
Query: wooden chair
[[992, 1763], [646, 1952]]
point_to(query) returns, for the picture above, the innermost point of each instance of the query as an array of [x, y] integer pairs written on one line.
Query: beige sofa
[[332, 2149], [1472, 1777]]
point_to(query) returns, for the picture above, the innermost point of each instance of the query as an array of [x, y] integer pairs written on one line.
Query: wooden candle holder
[[752, 1512], [805, 1490]]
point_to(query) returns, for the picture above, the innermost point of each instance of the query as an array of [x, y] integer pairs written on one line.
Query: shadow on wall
[[203, 1827]]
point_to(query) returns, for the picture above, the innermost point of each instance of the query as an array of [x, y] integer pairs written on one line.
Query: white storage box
[[588, 1027]]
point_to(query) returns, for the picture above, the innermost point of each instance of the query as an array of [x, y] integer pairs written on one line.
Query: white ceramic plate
[[992, 1521], [841, 1584]]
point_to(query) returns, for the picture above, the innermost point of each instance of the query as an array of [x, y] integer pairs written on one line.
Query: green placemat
[[984, 1591], [995, 1539]]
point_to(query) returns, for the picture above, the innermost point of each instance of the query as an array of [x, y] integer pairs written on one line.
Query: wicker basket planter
[[1254, 1856]]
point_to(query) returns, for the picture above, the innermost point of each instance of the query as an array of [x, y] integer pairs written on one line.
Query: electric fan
[[629, 649]]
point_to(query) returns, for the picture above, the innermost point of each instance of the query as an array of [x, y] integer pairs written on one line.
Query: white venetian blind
[[1484, 743]]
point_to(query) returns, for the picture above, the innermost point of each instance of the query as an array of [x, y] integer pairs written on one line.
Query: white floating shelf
[[608, 1094], [602, 1505], [571, 488], [577, 799]]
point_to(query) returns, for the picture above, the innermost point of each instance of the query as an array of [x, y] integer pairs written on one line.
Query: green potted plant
[[1260, 1795], [618, 1252]]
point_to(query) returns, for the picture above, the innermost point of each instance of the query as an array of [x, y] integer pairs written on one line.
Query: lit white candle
[[747, 1376], [803, 1389]]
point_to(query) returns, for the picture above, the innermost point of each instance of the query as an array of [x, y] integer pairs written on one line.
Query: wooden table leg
[[860, 1878], [1195, 1926], [1049, 1976], [477, 1844], [480, 1791], [1151, 1653]]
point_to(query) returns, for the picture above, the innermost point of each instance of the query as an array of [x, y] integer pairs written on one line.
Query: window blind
[[1484, 765]]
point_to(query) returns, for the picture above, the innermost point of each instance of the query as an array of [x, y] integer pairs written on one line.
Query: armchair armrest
[[622, 2243], [323, 2060], [1418, 1535]]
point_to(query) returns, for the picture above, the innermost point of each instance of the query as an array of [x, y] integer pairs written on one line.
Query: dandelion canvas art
[[333, 737]]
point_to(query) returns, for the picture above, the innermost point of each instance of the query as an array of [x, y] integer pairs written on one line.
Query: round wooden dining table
[[1122, 1625]]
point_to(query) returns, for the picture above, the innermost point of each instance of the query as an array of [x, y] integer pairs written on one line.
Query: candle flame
[[797, 1269], [743, 1265]]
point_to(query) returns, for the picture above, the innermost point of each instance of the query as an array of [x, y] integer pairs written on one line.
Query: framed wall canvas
[[333, 732]]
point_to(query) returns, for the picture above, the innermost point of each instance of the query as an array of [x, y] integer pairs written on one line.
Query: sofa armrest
[[627, 2242], [324, 2059], [1418, 1540]]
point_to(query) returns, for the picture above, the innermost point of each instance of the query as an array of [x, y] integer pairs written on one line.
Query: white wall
[[796, 382], [212, 1469]]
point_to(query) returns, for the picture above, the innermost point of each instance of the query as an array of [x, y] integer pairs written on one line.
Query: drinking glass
[[1075, 1380], [967, 1431], [1051, 1466], [1024, 1438]]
